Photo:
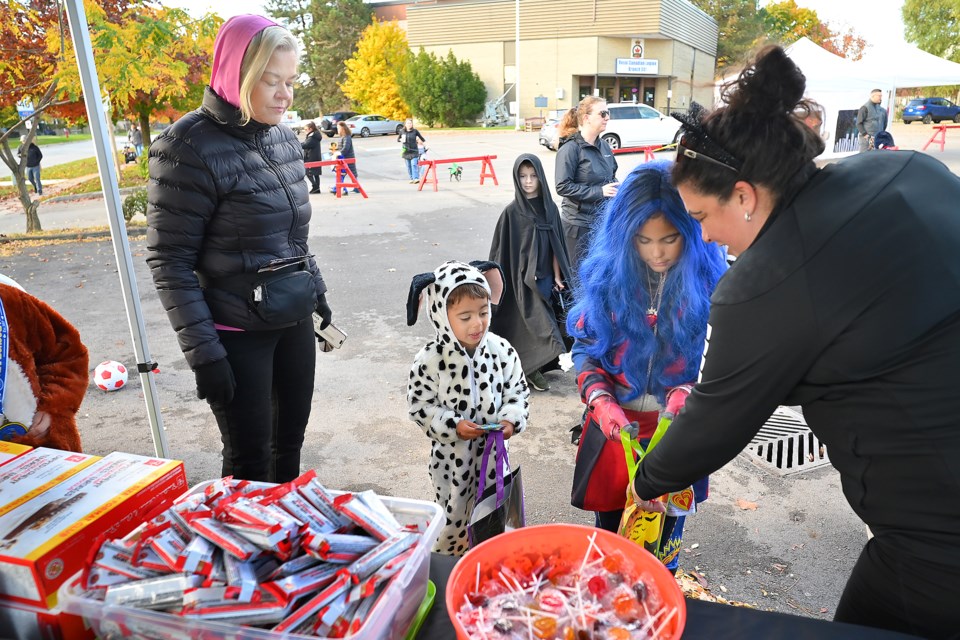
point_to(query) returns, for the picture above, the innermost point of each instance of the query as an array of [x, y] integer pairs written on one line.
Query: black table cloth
[[705, 620]]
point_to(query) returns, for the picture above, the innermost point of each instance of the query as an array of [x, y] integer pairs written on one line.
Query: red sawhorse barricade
[[647, 150], [343, 175], [430, 174], [940, 135]]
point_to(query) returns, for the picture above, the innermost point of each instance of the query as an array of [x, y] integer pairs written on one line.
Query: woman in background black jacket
[[586, 172], [312, 152], [227, 199]]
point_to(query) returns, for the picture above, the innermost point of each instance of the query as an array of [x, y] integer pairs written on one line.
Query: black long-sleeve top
[[847, 304]]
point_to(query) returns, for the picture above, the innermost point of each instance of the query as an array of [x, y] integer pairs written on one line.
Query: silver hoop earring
[[747, 216]]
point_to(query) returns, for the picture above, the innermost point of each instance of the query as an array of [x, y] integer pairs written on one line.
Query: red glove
[[676, 399], [610, 416]]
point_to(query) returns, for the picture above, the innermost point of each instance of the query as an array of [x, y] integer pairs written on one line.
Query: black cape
[[524, 317]]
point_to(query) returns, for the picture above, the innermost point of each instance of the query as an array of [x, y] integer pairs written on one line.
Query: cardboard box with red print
[[46, 539], [10, 451], [34, 472]]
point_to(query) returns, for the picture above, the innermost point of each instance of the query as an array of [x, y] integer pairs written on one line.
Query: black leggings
[[892, 588], [262, 428]]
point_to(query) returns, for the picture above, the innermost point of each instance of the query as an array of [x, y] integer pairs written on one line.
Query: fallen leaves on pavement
[[695, 587]]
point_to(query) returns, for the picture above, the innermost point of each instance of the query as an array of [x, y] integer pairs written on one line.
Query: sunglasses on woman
[[603, 114]]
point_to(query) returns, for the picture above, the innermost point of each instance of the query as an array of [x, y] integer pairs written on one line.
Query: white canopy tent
[[907, 66], [106, 163], [841, 87]]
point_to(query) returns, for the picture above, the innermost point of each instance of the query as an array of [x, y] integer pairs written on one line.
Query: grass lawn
[[42, 140], [130, 177]]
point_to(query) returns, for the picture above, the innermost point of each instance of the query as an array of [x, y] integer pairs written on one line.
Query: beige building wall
[[562, 41]]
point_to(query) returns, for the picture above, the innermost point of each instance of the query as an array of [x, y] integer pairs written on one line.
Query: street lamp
[[516, 67]]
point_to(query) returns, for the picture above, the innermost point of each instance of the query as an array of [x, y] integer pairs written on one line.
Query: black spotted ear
[[417, 285], [494, 275]]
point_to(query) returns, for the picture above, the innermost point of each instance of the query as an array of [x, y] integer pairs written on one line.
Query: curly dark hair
[[755, 136]]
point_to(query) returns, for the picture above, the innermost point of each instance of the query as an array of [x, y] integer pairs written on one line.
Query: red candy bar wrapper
[[363, 610], [164, 592], [265, 537], [203, 596], [324, 546], [242, 576], [151, 560], [322, 500], [341, 626], [117, 559], [361, 515], [375, 504], [301, 509], [297, 565], [169, 546], [304, 582], [334, 589], [386, 551], [198, 556], [214, 531], [243, 509], [334, 610], [381, 576], [260, 611]]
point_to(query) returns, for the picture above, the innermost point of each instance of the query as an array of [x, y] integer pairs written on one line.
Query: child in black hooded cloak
[[528, 244]]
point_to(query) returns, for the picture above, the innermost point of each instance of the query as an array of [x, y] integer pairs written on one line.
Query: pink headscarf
[[228, 51]]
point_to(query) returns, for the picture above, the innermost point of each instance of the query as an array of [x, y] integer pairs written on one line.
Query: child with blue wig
[[639, 325]]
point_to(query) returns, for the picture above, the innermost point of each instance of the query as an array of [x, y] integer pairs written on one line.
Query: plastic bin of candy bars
[[388, 619]]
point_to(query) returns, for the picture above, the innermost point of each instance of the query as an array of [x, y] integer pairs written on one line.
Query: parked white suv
[[638, 125]]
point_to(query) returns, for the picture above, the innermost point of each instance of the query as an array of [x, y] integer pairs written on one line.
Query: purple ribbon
[[493, 438]]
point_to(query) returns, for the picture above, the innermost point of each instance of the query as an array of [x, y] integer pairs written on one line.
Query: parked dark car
[[928, 110], [328, 124]]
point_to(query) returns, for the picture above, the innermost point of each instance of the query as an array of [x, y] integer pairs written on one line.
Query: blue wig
[[612, 296]]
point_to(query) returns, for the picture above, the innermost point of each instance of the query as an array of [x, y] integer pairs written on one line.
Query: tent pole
[[106, 163]]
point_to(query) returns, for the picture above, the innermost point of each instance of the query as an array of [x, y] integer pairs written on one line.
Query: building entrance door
[[630, 89], [648, 95]]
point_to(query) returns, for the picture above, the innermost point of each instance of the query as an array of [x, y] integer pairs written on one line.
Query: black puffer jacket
[[223, 200]]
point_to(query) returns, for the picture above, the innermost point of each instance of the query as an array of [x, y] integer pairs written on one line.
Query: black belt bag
[[277, 297]]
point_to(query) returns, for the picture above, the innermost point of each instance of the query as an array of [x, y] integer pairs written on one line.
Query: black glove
[[324, 310], [215, 382]]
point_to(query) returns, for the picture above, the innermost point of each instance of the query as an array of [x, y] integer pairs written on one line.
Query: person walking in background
[[346, 151], [411, 139], [586, 172], [313, 152], [639, 325], [228, 220], [844, 300], [528, 245], [135, 137], [463, 380], [871, 120], [34, 156]]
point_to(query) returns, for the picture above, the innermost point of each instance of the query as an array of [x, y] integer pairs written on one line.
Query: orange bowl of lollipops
[[560, 581]]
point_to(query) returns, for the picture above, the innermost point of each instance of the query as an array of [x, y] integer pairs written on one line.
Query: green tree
[[371, 74], [465, 92], [153, 58], [741, 28], [420, 87], [934, 26], [785, 22], [329, 30], [442, 91]]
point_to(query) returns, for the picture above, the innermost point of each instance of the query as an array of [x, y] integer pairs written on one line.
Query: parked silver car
[[374, 125], [550, 134]]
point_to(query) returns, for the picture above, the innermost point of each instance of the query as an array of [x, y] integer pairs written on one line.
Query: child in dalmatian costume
[[464, 378]]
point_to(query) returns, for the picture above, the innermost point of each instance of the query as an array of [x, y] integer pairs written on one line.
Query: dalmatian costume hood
[[448, 385]]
